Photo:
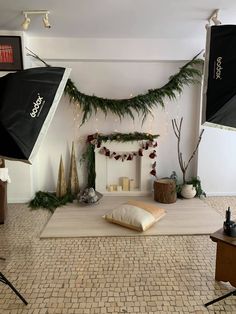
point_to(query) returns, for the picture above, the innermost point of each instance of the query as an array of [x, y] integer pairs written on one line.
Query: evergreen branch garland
[[96, 139], [49, 200], [90, 157], [142, 104], [121, 137]]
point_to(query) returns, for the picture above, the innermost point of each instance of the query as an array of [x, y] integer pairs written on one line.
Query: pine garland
[[49, 200], [96, 139], [142, 104], [121, 137]]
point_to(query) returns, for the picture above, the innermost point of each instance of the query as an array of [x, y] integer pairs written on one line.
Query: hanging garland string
[[129, 155], [95, 140], [142, 104]]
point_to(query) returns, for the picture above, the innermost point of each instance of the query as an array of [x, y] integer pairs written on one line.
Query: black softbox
[[28, 101], [219, 87]]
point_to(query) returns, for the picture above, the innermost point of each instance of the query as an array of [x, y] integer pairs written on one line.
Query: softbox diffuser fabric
[[28, 101], [219, 86]]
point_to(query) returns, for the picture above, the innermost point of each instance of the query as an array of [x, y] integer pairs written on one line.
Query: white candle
[[131, 184], [125, 184], [110, 188]]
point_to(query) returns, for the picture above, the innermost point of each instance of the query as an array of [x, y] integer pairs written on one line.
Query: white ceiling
[[117, 18]]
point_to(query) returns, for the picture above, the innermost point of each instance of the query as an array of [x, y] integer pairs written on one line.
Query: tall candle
[[110, 188], [125, 184], [131, 184]]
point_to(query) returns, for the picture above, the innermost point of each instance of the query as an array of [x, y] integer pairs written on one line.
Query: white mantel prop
[[4, 176], [110, 171]]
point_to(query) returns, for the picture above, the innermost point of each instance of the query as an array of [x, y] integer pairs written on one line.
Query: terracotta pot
[[188, 191]]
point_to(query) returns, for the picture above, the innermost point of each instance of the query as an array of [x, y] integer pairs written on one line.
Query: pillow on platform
[[135, 215]]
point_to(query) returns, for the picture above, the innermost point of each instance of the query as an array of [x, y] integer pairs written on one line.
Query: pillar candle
[[131, 184], [110, 188], [125, 183], [119, 188]]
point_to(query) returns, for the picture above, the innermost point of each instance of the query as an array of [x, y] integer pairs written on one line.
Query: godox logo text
[[36, 107], [218, 68]]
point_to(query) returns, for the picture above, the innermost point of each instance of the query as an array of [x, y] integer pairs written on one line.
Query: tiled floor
[[156, 274]]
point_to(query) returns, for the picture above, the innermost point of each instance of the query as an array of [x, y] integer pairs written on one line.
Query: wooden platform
[[183, 217]]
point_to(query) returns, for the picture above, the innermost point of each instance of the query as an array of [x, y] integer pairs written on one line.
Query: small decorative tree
[[177, 130]]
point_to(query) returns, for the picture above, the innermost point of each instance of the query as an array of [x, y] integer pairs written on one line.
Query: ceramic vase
[[188, 191]]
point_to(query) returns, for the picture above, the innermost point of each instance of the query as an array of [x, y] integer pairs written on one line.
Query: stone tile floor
[[156, 274]]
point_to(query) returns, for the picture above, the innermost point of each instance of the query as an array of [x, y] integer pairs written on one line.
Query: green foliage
[[196, 182], [142, 104], [49, 200], [178, 189], [90, 157], [94, 139], [123, 137]]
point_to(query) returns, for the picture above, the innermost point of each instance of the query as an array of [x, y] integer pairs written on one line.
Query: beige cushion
[[135, 215]]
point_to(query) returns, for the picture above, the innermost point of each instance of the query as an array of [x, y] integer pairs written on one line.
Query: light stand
[[221, 298], [41, 89], [3, 279]]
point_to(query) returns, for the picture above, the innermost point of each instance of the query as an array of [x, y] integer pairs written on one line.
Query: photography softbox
[[219, 89], [28, 101]]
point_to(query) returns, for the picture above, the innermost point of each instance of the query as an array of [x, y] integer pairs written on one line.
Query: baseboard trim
[[18, 200], [221, 193]]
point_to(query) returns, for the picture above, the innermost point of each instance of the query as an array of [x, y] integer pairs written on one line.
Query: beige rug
[[183, 217]]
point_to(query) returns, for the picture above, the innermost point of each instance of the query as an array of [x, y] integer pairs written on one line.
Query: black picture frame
[[11, 53]]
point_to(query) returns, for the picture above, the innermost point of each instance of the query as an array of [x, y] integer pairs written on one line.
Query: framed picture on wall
[[10, 53]]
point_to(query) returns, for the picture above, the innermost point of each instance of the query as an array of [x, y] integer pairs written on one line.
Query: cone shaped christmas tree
[[73, 184], [61, 181]]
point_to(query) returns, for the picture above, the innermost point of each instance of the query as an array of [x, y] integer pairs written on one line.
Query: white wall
[[99, 78], [111, 68], [216, 161]]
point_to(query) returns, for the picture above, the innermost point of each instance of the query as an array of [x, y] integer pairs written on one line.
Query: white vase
[[188, 191]]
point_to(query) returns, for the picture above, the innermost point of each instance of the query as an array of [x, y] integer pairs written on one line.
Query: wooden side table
[[225, 261], [225, 257]]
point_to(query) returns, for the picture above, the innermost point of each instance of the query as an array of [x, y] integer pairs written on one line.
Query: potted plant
[[196, 182], [189, 188]]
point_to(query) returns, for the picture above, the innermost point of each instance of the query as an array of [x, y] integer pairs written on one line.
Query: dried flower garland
[[129, 155], [95, 140]]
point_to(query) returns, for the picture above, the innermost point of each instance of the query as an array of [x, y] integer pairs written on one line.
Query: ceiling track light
[[46, 21], [26, 23], [214, 18], [27, 20]]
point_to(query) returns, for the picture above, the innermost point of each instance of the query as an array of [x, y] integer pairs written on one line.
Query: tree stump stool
[[165, 191]]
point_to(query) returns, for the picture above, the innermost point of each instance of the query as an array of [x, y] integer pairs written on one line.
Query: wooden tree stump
[[165, 191]]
